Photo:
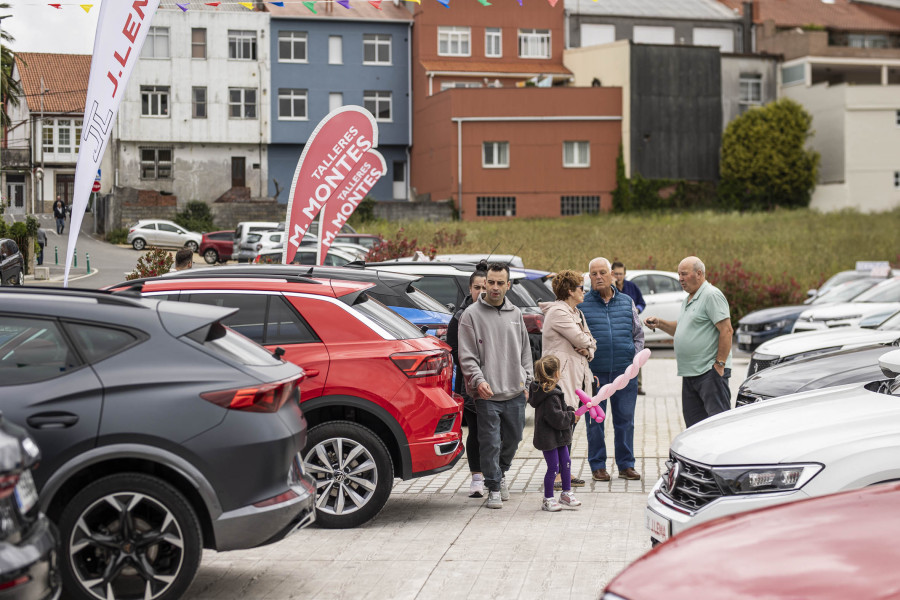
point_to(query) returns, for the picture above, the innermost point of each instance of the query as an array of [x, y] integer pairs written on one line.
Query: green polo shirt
[[696, 337]]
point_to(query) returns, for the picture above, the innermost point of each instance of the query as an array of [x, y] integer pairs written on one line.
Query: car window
[[888, 291], [424, 301], [32, 350], [443, 289], [148, 226], [305, 258], [11, 247], [643, 283], [224, 236], [844, 292], [97, 342], [275, 238], [228, 344], [285, 326], [387, 319], [334, 260], [253, 238], [664, 285], [167, 227], [249, 320], [520, 296]]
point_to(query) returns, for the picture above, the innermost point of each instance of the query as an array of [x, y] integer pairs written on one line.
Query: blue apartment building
[[338, 57]]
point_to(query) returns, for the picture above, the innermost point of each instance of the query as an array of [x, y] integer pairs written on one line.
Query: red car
[[377, 393], [216, 246], [831, 547]]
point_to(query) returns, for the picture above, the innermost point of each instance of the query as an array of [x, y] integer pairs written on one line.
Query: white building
[[194, 121]]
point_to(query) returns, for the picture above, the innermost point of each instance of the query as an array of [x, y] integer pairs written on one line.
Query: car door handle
[[52, 420], [311, 372]]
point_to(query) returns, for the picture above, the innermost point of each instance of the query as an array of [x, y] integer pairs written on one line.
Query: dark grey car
[[12, 264], [162, 433]]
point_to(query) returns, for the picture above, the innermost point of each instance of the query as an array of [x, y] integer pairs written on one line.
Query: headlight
[[775, 325], [813, 353], [757, 480], [759, 357]]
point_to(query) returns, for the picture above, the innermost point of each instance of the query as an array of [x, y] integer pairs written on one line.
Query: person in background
[[42, 241], [632, 291], [184, 259], [59, 213], [476, 288]]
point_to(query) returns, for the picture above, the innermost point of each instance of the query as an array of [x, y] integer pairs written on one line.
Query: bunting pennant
[[57, 6], [344, 3], [247, 5], [311, 6], [416, 1], [553, 3], [215, 4], [87, 7], [376, 3], [277, 3], [183, 7], [446, 3], [486, 3], [520, 2]]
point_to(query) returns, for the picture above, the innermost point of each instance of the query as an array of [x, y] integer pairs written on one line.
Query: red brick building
[[497, 149]]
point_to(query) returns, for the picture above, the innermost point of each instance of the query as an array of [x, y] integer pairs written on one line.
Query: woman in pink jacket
[[566, 336]]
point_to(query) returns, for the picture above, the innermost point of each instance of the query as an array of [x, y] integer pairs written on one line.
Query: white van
[[240, 237]]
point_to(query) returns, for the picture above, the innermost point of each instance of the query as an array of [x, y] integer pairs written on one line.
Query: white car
[[883, 298], [795, 447], [809, 343], [510, 259], [663, 295], [162, 233]]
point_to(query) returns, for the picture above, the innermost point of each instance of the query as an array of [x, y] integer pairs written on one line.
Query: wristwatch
[[720, 363]]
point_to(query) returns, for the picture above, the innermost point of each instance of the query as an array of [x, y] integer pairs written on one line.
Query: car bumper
[[33, 558], [678, 520], [244, 256], [748, 341], [801, 326]]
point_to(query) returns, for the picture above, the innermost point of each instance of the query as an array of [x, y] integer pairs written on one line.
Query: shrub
[[154, 262], [398, 247], [196, 217], [747, 291], [364, 213], [117, 236], [443, 238]]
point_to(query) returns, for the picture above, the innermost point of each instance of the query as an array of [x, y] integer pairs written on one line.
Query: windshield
[[846, 291], [229, 344], [886, 291], [841, 278], [891, 324], [424, 301]]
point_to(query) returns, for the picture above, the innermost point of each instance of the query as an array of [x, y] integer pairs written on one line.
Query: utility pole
[[40, 140]]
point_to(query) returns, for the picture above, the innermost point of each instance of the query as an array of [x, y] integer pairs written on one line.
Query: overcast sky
[[39, 27]]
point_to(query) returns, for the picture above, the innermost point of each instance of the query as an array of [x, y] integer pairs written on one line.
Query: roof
[[358, 11], [495, 67], [842, 15], [65, 79], [707, 10]]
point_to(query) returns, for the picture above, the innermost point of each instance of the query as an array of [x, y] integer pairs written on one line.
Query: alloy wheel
[[346, 475]]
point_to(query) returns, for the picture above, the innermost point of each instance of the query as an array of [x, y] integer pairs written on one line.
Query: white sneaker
[[494, 500], [551, 505], [476, 488], [569, 499], [504, 490]]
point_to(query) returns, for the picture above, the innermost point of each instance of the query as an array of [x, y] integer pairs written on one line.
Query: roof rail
[[102, 296]]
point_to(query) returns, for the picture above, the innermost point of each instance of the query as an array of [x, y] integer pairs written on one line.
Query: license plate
[[26, 492], [659, 526], [745, 338]]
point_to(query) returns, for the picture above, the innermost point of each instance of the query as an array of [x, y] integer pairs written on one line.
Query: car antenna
[[492, 252]]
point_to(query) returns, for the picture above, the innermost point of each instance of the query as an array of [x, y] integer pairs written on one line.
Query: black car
[[162, 432], [28, 540], [857, 365], [12, 264]]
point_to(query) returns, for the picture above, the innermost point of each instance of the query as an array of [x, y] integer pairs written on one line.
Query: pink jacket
[[564, 332]]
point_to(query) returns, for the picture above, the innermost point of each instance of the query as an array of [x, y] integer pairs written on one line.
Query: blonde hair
[[546, 372]]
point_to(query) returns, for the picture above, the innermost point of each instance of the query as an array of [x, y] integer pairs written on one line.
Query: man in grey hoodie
[[495, 360]]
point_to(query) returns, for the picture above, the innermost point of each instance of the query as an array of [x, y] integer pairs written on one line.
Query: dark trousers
[[473, 452], [40, 254], [500, 425], [60, 225], [704, 395]]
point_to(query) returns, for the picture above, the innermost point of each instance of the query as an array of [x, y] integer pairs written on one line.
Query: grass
[[802, 244]]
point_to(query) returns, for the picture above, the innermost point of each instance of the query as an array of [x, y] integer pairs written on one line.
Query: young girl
[[553, 420]]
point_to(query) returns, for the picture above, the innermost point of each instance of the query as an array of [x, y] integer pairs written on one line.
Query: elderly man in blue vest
[[613, 320]]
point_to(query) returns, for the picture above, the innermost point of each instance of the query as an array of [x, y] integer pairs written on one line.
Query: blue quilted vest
[[610, 324]]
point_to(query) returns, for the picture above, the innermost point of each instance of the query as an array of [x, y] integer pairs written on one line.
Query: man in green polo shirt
[[702, 344]]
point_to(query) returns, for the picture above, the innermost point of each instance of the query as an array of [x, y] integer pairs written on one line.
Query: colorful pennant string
[[87, 7], [376, 3], [486, 3], [247, 5], [344, 3], [311, 6], [277, 3], [183, 7], [57, 6], [215, 4], [444, 3]]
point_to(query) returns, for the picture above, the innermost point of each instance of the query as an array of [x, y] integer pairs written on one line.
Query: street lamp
[[2, 107]]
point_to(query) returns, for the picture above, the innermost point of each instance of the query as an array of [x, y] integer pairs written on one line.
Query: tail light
[[265, 398], [8, 485], [534, 323], [432, 367]]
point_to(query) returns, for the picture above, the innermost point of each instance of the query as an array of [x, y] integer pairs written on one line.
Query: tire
[[193, 246], [138, 244], [211, 256], [93, 525], [17, 279], [342, 501]]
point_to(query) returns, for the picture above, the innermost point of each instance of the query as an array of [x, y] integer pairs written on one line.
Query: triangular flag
[[311, 6], [183, 7], [56, 5], [376, 3], [249, 5], [277, 3], [87, 7], [416, 1], [520, 2], [553, 3], [216, 4], [484, 2], [344, 3], [446, 3]]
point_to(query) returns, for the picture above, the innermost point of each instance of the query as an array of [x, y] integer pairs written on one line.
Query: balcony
[[16, 158]]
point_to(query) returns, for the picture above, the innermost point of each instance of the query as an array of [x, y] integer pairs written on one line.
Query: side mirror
[[278, 352], [452, 307], [890, 364]]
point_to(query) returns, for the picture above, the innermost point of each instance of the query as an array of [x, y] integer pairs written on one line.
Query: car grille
[[743, 399], [757, 364], [694, 486]]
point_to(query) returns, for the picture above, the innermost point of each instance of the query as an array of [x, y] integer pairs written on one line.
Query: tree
[[10, 89], [764, 159]]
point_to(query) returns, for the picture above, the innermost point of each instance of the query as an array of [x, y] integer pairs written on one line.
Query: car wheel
[[17, 279], [138, 244], [211, 256], [129, 536], [353, 473], [193, 246]]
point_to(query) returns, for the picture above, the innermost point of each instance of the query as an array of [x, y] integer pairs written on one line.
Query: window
[[648, 34], [157, 43], [441, 288], [292, 46], [292, 104], [495, 155], [156, 163], [335, 50], [897, 180], [493, 42], [198, 102], [722, 38], [867, 40], [449, 85], [376, 49], [897, 118], [793, 74], [198, 42], [593, 34], [751, 90], [241, 103], [454, 41], [335, 100], [32, 350], [534, 43], [379, 104], [495, 206], [97, 343], [264, 319], [241, 44], [578, 205], [154, 101], [576, 155], [664, 285], [61, 135]]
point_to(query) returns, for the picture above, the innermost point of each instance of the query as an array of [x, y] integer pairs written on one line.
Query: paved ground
[[433, 542]]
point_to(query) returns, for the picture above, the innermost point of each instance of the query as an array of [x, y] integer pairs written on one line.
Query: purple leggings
[[557, 462]]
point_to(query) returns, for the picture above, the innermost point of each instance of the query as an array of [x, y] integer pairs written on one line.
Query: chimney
[[747, 40]]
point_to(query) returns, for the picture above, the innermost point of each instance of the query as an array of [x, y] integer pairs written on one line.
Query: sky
[[38, 27]]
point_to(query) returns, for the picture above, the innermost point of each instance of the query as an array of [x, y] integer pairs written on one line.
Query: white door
[[399, 180], [15, 194]]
